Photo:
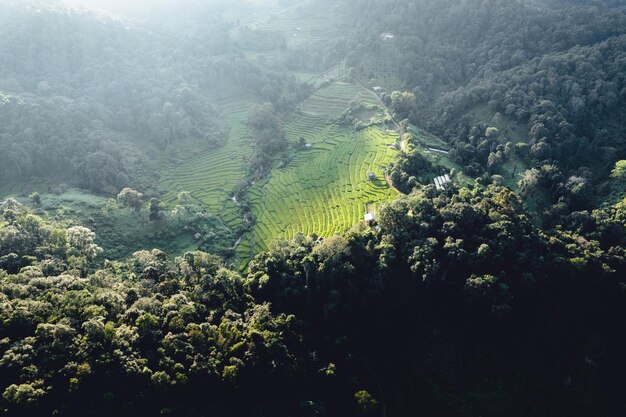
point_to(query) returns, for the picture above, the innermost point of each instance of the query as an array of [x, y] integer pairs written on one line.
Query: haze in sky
[[137, 7], [131, 7], [177, 15]]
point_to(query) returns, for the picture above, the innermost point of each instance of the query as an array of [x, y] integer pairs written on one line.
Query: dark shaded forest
[[489, 297], [459, 306], [555, 69]]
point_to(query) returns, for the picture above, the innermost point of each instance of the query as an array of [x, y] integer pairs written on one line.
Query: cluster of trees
[[268, 139], [101, 96], [409, 169], [457, 304], [134, 221], [556, 67], [461, 287], [128, 338], [568, 100], [457, 288]]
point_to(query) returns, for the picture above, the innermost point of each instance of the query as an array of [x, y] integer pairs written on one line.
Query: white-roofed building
[[441, 181]]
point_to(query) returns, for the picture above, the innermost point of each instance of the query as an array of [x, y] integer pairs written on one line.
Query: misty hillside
[[305, 208]]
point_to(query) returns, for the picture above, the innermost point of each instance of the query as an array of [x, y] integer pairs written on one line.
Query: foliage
[[620, 170], [131, 331], [456, 302], [327, 185], [555, 67], [409, 169], [131, 198], [455, 265]]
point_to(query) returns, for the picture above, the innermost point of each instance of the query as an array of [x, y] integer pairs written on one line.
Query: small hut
[[371, 176], [369, 218]]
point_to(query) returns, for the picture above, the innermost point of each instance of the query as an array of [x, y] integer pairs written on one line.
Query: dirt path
[[399, 128], [241, 238]]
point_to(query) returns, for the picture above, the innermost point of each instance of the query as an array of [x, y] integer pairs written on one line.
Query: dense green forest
[[183, 184]]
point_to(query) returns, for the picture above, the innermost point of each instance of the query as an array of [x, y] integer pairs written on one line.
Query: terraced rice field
[[299, 32], [332, 100], [324, 190], [212, 174]]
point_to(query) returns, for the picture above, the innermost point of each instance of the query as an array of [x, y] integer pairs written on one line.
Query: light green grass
[[324, 190], [331, 101], [298, 31], [427, 140], [210, 175], [23, 189]]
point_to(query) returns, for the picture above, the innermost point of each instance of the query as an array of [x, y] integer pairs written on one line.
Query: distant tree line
[[82, 97], [553, 68]]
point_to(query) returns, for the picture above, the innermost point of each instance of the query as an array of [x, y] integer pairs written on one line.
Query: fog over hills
[[317, 208]]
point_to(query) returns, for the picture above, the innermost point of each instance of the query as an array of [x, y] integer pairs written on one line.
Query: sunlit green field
[[324, 190], [335, 98], [211, 174]]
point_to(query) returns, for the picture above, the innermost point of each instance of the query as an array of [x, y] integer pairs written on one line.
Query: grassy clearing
[[510, 129], [426, 139], [512, 172], [23, 190], [324, 190], [423, 140], [119, 231], [513, 169]]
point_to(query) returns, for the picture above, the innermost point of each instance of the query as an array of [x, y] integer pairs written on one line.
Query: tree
[[404, 104], [529, 182], [367, 403], [109, 206], [155, 210], [82, 239], [24, 394], [492, 132], [620, 169], [184, 198], [131, 198], [35, 198]]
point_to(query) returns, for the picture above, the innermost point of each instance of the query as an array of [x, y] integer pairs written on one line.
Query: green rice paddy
[[332, 100], [211, 174], [324, 190], [298, 31]]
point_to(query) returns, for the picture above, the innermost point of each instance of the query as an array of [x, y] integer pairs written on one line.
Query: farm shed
[[441, 181]]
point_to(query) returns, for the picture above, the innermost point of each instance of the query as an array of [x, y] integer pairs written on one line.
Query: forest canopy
[[312, 208]]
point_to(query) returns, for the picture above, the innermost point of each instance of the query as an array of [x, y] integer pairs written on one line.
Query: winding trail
[[399, 129]]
